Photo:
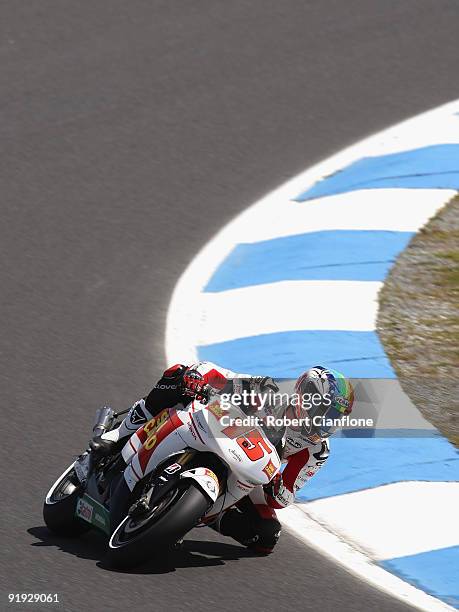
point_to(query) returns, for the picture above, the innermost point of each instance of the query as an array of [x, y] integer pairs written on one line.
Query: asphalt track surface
[[130, 132]]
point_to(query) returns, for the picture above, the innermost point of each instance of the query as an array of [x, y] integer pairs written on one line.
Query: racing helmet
[[322, 397]]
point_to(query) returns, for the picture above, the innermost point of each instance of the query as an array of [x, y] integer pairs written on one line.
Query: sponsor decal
[[84, 510], [166, 387], [242, 486], [269, 469], [91, 511], [98, 518], [216, 409], [209, 473], [175, 467], [343, 401], [236, 455], [192, 431], [281, 499], [300, 481], [198, 422], [196, 429]]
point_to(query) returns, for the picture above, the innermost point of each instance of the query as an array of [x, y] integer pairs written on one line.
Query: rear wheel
[[139, 538], [60, 505]]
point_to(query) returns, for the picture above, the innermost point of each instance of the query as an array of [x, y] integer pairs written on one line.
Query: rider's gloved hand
[[273, 487], [193, 383]]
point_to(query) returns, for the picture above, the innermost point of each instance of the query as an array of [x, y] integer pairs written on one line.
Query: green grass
[[418, 319], [453, 255]]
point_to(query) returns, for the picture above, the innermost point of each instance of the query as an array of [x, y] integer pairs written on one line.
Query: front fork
[[150, 490]]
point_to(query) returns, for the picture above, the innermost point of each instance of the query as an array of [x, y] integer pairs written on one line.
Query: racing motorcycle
[[181, 469]]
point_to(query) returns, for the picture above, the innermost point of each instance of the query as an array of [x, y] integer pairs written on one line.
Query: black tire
[[59, 508], [185, 506]]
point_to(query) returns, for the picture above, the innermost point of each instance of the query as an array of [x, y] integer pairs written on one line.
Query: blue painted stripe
[[362, 463], [329, 255], [287, 354], [433, 167], [435, 572]]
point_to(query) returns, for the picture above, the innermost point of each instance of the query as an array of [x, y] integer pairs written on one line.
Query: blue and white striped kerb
[[293, 282]]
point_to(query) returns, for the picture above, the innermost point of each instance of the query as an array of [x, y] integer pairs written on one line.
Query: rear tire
[[60, 504], [176, 514]]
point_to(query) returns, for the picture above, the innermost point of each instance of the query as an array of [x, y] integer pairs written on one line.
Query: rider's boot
[[260, 536], [104, 447], [101, 447]]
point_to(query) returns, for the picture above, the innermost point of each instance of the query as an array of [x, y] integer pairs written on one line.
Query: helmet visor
[[323, 420], [329, 422]]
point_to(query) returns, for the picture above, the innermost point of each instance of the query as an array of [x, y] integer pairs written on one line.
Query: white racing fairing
[[244, 448]]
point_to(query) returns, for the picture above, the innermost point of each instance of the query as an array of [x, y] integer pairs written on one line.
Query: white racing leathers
[[253, 522]]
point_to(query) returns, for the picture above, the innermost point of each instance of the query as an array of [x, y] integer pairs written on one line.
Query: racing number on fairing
[[152, 428], [150, 442], [253, 445]]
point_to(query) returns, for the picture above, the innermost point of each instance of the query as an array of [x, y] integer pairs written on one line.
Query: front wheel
[[60, 505], [136, 540]]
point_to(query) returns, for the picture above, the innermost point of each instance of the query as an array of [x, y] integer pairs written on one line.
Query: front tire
[[134, 542], [60, 505]]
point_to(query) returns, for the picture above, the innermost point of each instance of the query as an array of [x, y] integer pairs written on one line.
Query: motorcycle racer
[[303, 449]]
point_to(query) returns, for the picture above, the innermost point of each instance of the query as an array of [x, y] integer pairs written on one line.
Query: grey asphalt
[[130, 132]]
